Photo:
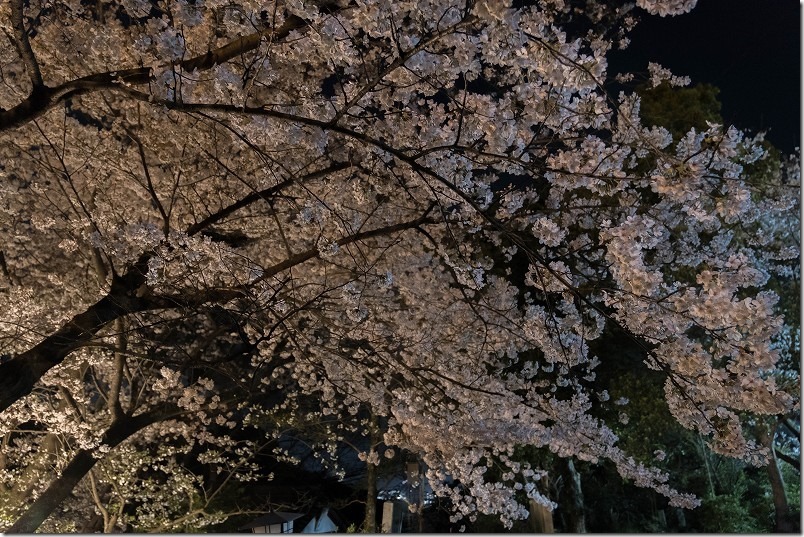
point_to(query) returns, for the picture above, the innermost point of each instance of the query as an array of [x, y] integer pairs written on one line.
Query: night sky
[[750, 49]]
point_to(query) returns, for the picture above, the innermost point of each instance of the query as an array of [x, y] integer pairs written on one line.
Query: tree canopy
[[221, 219]]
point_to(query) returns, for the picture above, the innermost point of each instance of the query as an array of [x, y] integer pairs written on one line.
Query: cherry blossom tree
[[215, 211]]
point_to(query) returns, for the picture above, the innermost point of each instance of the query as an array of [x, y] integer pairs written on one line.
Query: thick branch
[[114, 405], [23, 45], [790, 427], [43, 98], [19, 375], [795, 463], [74, 472]]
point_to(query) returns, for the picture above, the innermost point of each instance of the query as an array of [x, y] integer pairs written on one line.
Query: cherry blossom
[[225, 219]]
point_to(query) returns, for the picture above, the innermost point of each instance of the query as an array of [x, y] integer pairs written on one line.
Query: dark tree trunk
[[540, 518], [782, 518], [55, 493], [370, 520], [573, 502], [783, 522], [94, 524]]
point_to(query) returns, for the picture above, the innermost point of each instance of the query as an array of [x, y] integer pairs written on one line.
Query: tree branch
[[79, 466], [262, 195], [790, 427], [23, 45], [795, 463], [114, 404], [19, 375], [378, 232], [43, 98]]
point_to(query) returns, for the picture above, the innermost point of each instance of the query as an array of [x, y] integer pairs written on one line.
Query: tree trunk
[[782, 518], [58, 490], [576, 518], [540, 518], [19, 375], [94, 524], [370, 520]]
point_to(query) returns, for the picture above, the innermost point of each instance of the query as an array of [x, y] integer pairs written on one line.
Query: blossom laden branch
[[42, 98], [263, 195], [81, 463], [128, 295]]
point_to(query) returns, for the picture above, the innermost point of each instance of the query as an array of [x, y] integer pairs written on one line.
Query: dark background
[[750, 49]]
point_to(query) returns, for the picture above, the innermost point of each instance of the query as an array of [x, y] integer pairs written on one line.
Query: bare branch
[[795, 463]]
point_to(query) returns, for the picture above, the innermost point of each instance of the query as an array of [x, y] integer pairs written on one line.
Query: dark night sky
[[750, 49]]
